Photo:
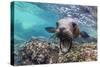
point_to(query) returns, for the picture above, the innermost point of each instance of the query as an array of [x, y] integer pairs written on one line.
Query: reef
[[42, 52]]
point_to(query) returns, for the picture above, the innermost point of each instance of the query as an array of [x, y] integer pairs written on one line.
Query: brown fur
[[66, 30], [70, 29]]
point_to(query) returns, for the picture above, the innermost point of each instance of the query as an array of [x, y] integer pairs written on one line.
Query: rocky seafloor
[[42, 52]]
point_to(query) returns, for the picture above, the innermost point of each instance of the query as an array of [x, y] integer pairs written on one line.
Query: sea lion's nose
[[62, 29]]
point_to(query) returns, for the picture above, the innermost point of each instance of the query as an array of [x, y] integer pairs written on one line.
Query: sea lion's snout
[[62, 29], [64, 33]]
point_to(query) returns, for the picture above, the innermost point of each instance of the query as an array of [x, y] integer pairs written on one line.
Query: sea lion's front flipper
[[84, 34], [50, 29]]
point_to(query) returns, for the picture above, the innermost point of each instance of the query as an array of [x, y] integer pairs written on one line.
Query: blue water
[[30, 19]]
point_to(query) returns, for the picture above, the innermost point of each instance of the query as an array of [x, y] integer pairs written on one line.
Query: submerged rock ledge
[[42, 52]]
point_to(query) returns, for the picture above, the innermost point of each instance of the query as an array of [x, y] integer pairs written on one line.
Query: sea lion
[[66, 30]]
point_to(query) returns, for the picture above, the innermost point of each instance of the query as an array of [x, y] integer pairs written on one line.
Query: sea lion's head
[[66, 29], [63, 29]]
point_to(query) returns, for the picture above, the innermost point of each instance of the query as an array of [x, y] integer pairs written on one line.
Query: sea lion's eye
[[74, 24], [57, 24]]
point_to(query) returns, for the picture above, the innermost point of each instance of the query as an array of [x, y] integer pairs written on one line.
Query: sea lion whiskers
[[66, 30]]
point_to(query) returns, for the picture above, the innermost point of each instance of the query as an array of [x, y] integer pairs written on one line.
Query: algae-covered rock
[[42, 52]]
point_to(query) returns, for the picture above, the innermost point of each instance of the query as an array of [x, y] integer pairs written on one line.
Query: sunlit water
[[30, 19]]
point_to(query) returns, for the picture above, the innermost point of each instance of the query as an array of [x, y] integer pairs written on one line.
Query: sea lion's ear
[[50, 29]]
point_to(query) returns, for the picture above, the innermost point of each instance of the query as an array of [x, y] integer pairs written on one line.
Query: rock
[[41, 52]]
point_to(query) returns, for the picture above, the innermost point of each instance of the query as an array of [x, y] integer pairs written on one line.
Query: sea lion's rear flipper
[[84, 34], [50, 29]]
